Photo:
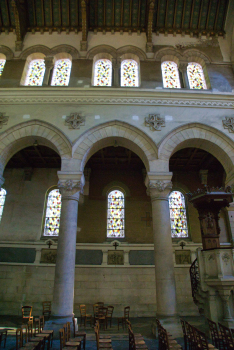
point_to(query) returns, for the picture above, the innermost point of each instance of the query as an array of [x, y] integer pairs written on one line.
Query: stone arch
[[200, 136], [34, 49], [23, 135], [104, 135], [129, 49], [65, 48], [192, 54], [162, 54], [100, 49], [7, 52]]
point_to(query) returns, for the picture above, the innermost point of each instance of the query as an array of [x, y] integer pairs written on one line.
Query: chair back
[[65, 332], [226, 335], [42, 323], [68, 331], [126, 312], [27, 312], [19, 339], [61, 338], [110, 310], [82, 310], [37, 325], [163, 338], [100, 303], [214, 332], [96, 330], [132, 344], [102, 311], [74, 327], [46, 308], [96, 310], [30, 330], [24, 329], [200, 339], [183, 327]]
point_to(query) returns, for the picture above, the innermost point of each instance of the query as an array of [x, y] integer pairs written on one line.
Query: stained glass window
[[115, 214], [53, 212], [2, 64], [61, 73], [196, 76], [35, 74], [170, 75], [129, 73], [179, 227], [103, 73], [2, 201]]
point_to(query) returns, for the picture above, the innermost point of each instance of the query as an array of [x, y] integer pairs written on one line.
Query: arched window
[[178, 216], [61, 72], [115, 214], [129, 73], [52, 213], [2, 64], [2, 201], [35, 73], [196, 76], [103, 72], [170, 75]]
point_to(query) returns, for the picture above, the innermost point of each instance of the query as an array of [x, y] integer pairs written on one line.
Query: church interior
[[117, 162]]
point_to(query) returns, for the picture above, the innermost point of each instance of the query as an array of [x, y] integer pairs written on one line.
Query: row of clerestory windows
[[103, 73], [115, 213]]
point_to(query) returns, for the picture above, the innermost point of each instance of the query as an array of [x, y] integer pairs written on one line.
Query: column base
[[171, 324], [57, 322]]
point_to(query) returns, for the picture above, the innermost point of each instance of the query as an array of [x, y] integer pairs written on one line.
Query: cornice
[[115, 96]]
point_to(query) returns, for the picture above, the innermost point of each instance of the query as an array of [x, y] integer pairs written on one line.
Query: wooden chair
[[215, 336], [26, 343], [3, 336], [201, 339], [135, 343], [95, 313], [84, 316], [124, 318], [46, 331], [38, 333], [103, 344], [31, 338], [226, 336], [79, 334], [19, 342], [46, 305], [102, 316], [185, 334], [67, 344], [101, 336], [192, 342], [27, 314], [110, 310], [68, 335]]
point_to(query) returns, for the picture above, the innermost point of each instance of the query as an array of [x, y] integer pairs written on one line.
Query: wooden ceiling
[[196, 17]]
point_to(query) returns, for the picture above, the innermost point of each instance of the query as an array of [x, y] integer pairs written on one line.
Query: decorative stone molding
[[226, 258], [69, 185], [155, 122], [50, 52], [160, 185], [74, 121], [3, 120], [228, 123], [7, 52]]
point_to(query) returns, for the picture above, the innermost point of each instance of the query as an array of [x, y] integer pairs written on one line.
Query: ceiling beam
[[149, 25], [20, 14], [84, 16]]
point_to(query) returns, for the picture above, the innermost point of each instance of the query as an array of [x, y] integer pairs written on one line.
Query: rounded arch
[[200, 136], [6, 52], [131, 50], [24, 134], [162, 54], [106, 134], [70, 50], [101, 49], [35, 49], [200, 57]]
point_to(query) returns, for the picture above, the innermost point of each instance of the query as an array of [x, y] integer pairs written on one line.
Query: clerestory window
[[178, 216], [35, 73], [196, 76], [129, 73], [115, 215], [170, 75], [52, 213], [2, 201], [103, 73], [2, 64], [61, 72]]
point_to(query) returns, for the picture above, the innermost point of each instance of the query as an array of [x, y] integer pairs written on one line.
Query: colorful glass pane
[[170, 75], [179, 227], [103, 73], [129, 73], [2, 64], [36, 71], [196, 76], [61, 73], [53, 212], [115, 214], [2, 201]]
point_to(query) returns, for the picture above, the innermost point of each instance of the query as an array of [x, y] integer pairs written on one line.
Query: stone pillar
[[116, 73], [49, 64], [159, 190], [63, 296]]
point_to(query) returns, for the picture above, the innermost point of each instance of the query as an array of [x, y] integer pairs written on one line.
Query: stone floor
[[143, 325]]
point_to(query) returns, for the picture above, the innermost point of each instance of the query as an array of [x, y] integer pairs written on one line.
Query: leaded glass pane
[[178, 215], [2, 201], [53, 212], [129, 73], [36, 71], [170, 75], [115, 214], [61, 73], [196, 76], [2, 64], [103, 73]]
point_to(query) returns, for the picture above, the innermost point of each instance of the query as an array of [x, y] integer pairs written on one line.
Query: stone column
[[49, 64], [63, 296], [159, 190]]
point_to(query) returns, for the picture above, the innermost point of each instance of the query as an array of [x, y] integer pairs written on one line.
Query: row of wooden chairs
[[195, 339], [222, 336], [27, 311], [66, 342], [103, 342], [100, 313], [165, 339], [136, 341]]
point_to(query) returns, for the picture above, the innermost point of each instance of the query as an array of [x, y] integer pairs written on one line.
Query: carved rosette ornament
[[3, 120], [74, 121], [70, 188], [155, 122], [228, 123]]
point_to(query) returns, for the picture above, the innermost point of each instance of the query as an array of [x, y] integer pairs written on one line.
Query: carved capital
[[159, 189], [70, 189]]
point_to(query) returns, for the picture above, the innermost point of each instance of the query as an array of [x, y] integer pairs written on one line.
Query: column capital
[[49, 62], [159, 185], [70, 185]]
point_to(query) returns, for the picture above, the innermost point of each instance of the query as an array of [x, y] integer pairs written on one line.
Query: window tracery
[[170, 75], [2, 201], [61, 73], [129, 73], [178, 216], [115, 214], [2, 64], [196, 76], [103, 73], [53, 213], [35, 74]]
